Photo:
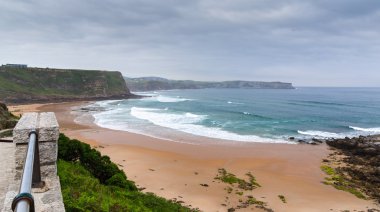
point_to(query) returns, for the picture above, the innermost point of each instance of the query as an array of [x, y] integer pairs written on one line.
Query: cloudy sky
[[307, 42]]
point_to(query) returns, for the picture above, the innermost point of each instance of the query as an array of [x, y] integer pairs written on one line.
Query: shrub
[[99, 166]]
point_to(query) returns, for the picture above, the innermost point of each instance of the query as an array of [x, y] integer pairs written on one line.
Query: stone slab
[[48, 128], [27, 123], [50, 200]]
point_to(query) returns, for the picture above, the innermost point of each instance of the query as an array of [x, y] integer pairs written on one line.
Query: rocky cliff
[[157, 83], [18, 85]]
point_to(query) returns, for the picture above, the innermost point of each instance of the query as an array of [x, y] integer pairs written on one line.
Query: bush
[[81, 191], [99, 166]]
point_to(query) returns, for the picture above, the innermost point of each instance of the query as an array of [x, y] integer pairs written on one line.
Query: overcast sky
[[307, 42]]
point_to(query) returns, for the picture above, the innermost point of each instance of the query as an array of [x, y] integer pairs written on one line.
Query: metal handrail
[[24, 202]]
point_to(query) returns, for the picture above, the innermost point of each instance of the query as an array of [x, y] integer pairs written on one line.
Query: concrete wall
[[49, 197]]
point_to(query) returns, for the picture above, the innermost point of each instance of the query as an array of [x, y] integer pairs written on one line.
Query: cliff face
[[45, 85], [156, 83]]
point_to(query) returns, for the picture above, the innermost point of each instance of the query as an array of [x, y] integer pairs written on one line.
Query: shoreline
[[176, 170]]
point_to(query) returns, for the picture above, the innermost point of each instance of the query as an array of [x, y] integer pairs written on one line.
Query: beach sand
[[175, 170]]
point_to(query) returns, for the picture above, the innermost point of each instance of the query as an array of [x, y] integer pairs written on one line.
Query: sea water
[[246, 115]]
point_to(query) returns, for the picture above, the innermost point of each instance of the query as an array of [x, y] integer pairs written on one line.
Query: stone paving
[[7, 167]]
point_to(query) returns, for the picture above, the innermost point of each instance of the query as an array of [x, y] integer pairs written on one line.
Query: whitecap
[[320, 134], [170, 99], [370, 130], [189, 123]]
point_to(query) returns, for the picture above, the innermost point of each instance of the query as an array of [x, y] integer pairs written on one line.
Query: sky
[[306, 42]]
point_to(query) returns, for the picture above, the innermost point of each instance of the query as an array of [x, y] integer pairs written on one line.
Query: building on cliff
[[16, 65]]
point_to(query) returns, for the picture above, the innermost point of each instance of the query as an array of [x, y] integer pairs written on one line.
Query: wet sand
[[176, 170]]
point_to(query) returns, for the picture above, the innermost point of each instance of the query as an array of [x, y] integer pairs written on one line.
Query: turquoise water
[[247, 115]]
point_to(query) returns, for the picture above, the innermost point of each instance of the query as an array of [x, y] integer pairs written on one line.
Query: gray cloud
[[307, 42]]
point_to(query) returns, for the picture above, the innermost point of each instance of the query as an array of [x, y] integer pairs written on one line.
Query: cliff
[[19, 85], [156, 83]]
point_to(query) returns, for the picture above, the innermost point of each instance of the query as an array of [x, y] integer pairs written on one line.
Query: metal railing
[[31, 177]]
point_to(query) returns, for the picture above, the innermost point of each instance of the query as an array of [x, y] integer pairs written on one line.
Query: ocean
[[246, 115]]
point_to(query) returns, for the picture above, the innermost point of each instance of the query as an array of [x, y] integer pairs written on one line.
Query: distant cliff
[[157, 83], [18, 85]]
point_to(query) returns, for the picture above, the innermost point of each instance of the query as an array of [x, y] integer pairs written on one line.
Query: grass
[[92, 182], [339, 182], [230, 178], [254, 201], [240, 186], [83, 192]]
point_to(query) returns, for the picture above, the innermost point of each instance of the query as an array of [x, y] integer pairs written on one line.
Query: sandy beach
[[176, 170]]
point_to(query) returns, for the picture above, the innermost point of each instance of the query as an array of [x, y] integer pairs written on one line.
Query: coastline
[[176, 169]]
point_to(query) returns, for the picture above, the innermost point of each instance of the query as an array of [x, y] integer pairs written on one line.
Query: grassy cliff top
[[44, 84]]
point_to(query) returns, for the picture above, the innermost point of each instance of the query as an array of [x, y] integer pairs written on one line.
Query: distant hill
[[18, 85], [157, 83]]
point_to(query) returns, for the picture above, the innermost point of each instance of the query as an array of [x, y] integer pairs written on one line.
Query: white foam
[[170, 99], [191, 115], [321, 134], [188, 123], [104, 103], [370, 130]]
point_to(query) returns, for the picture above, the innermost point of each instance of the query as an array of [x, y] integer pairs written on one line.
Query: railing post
[[24, 201], [36, 178]]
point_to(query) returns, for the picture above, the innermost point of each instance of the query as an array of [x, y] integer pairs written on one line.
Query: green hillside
[[45, 84]]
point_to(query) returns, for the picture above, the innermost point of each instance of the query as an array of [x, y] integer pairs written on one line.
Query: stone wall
[[49, 197]]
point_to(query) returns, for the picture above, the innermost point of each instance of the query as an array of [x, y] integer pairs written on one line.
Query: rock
[[291, 138], [361, 162], [371, 151]]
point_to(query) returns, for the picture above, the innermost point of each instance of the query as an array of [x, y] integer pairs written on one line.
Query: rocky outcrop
[[361, 162], [157, 83], [24, 85], [7, 120]]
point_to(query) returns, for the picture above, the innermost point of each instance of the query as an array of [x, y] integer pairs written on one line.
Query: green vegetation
[[44, 84], [282, 198], [91, 182], [7, 119], [230, 178], [6, 133], [253, 201], [240, 186], [339, 182]]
